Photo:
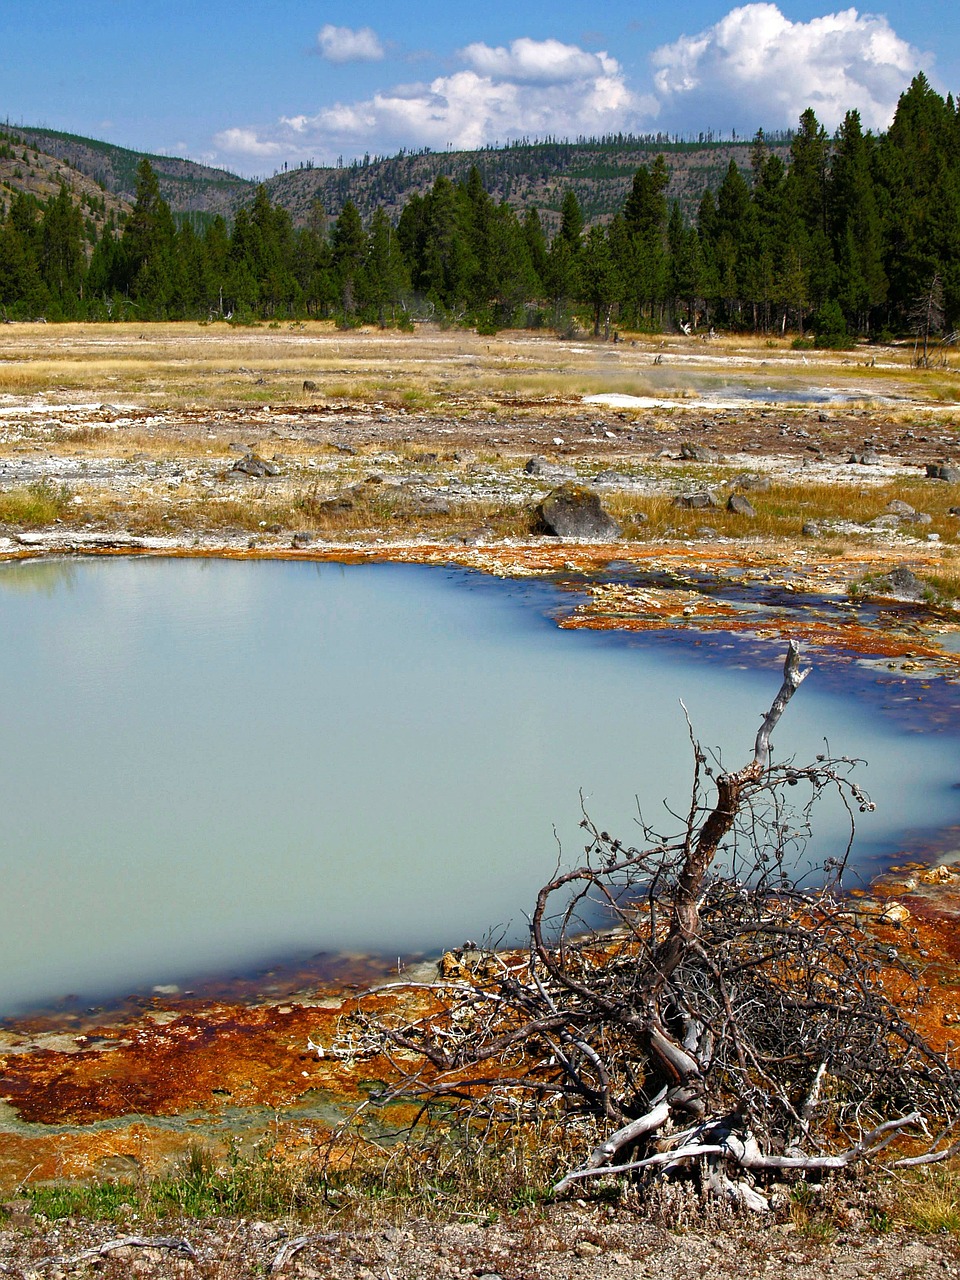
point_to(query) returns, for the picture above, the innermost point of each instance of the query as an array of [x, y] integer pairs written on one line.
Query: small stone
[[739, 505], [700, 500], [251, 464], [698, 453]]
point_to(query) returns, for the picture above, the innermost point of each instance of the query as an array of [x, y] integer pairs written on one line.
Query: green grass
[[445, 1173], [36, 505]]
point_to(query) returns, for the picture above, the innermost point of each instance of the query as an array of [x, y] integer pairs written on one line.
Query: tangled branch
[[694, 1001]]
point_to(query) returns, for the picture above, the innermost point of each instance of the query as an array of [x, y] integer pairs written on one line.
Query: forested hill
[[525, 175], [854, 235], [537, 174], [34, 172], [186, 186]]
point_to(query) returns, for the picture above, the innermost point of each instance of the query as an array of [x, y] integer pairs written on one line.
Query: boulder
[[903, 584], [251, 464], [698, 501], [538, 466], [943, 471], [573, 511], [749, 481], [698, 453], [739, 505]]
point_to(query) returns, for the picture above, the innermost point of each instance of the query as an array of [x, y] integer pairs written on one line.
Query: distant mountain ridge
[[188, 187], [599, 171]]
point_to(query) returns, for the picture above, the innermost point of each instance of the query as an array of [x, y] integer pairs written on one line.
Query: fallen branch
[[171, 1244]]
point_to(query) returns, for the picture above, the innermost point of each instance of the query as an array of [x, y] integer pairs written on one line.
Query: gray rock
[[868, 458], [330, 506], [612, 477], [251, 464], [698, 501], [739, 505], [898, 508], [573, 511], [943, 471], [884, 522], [811, 529], [430, 504], [919, 517], [538, 466], [698, 453], [752, 483], [903, 584]]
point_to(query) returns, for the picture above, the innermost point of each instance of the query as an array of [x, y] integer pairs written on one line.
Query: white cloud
[[535, 87], [753, 68], [246, 142], [757, 61], [538, 62], [343, 44]]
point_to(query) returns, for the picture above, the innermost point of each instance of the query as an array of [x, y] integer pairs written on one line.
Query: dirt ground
[[567, 1243]]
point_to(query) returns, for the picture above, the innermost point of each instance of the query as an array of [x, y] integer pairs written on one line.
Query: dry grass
[[35, 505], [783, 510], [930, 1201], [176, 364]]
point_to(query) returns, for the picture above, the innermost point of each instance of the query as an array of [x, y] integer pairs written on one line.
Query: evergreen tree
[[384, 278], [855, 230], [600, 279], [62, 259], [349, 250], [537, 251], [148, 247]]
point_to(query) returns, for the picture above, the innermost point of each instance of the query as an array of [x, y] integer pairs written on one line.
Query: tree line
[[853, 235]]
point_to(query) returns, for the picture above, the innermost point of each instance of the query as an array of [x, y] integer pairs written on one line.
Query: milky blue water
[[209, 765]]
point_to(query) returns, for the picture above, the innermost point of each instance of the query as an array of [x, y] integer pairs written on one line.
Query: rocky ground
[[569, 1243]]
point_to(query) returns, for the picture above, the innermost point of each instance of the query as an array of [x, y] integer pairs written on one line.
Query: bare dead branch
[[696, 999]]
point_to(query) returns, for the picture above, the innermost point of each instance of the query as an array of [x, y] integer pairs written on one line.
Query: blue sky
[[253, 85]]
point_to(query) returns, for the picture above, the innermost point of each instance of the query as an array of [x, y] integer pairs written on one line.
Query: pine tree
[[349, 249], [384, 277], [855, 230], [62, 260], [148, 247]]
